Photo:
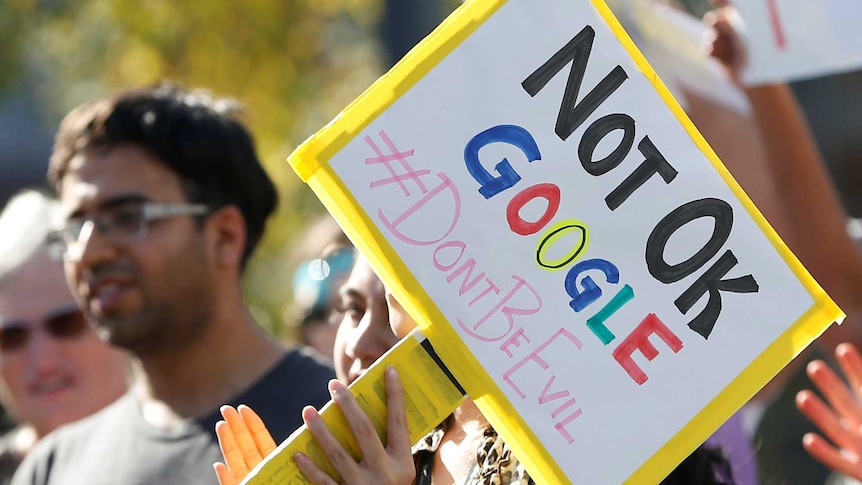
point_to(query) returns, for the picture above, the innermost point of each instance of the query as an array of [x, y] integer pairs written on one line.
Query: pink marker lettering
[[535, 356], [507, 311], [514, 341], [395, 155], [544, 397], [561, 426], [466, 283], [392, 225], [491, 287], [461, 245]]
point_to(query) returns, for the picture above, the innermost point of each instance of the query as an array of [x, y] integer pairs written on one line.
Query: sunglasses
[[63, 325]]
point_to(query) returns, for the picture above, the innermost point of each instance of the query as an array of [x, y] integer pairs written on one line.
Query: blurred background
[[294, 64]]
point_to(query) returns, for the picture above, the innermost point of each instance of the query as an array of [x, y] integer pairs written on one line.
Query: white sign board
[[797, 39], [571, 246]]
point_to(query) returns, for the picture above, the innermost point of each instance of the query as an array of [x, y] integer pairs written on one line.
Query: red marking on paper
[[777, 27]]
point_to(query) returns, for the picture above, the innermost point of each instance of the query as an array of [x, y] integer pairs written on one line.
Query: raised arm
[[839, 418], [816, 222]]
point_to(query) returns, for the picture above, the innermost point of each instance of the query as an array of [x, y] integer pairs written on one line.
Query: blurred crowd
[[128, 353]]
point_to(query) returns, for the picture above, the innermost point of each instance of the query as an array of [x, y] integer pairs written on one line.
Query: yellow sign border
[[310, 159]]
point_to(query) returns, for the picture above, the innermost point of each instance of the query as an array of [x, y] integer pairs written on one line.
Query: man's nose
[[91, 247]]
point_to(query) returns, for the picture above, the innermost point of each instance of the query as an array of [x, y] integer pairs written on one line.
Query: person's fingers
[[372, 450], [719, 47], [262, 437], [835, 392], [338, 457], [223, 475], [726, 30], [398, 434], [723, 40], [825, 419], [230, 450], [850, 361], [311, 471], [834, 459], [402, 469], [710, 17], [733, 23], [243, 437]]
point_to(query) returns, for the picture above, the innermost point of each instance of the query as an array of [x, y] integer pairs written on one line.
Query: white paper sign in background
[[797, 39]]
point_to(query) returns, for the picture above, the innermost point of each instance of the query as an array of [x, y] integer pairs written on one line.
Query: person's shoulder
[[300, 365], [305, 370], [307, 355], [300, 378], [13, 446], [70, 440], [85, 428], [300, 374]]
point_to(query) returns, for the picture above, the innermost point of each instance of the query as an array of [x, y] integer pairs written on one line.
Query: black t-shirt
[[116, 446]]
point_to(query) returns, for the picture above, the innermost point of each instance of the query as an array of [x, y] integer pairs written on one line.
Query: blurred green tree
[[293, 63]]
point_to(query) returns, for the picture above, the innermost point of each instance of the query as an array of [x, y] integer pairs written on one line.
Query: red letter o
[[549, 192]]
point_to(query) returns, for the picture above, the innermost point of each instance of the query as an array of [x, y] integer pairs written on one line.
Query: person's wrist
[[771, 90]]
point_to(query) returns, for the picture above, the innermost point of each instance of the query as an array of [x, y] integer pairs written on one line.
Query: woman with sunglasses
[[323, 258], [54, 369]]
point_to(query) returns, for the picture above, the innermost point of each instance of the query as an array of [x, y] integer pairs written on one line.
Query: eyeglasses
[[125, 222], [65, 325]]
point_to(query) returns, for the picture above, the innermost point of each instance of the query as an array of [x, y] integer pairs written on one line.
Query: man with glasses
[[165, 200], [54, 369]]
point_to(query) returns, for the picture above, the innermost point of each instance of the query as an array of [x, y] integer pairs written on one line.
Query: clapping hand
[[244, 442], [840, 418]]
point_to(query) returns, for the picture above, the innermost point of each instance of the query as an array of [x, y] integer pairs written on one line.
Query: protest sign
[[797, 39], [579, 258]]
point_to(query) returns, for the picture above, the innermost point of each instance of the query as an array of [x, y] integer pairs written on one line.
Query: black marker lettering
[[722, 214], [654, 163], [573, 113], [711, 282], [596, 132]]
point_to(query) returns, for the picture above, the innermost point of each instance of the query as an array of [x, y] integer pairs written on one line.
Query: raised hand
[[244, 442], [840, 420], [723, 41], [389, 464]]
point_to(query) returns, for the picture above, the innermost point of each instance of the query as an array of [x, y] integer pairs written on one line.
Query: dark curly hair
[[197, 136]]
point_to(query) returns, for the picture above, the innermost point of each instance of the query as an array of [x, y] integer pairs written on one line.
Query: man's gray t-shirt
[[115, 446]]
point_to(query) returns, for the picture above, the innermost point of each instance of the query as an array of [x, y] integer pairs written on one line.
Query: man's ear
[[227, 236]]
